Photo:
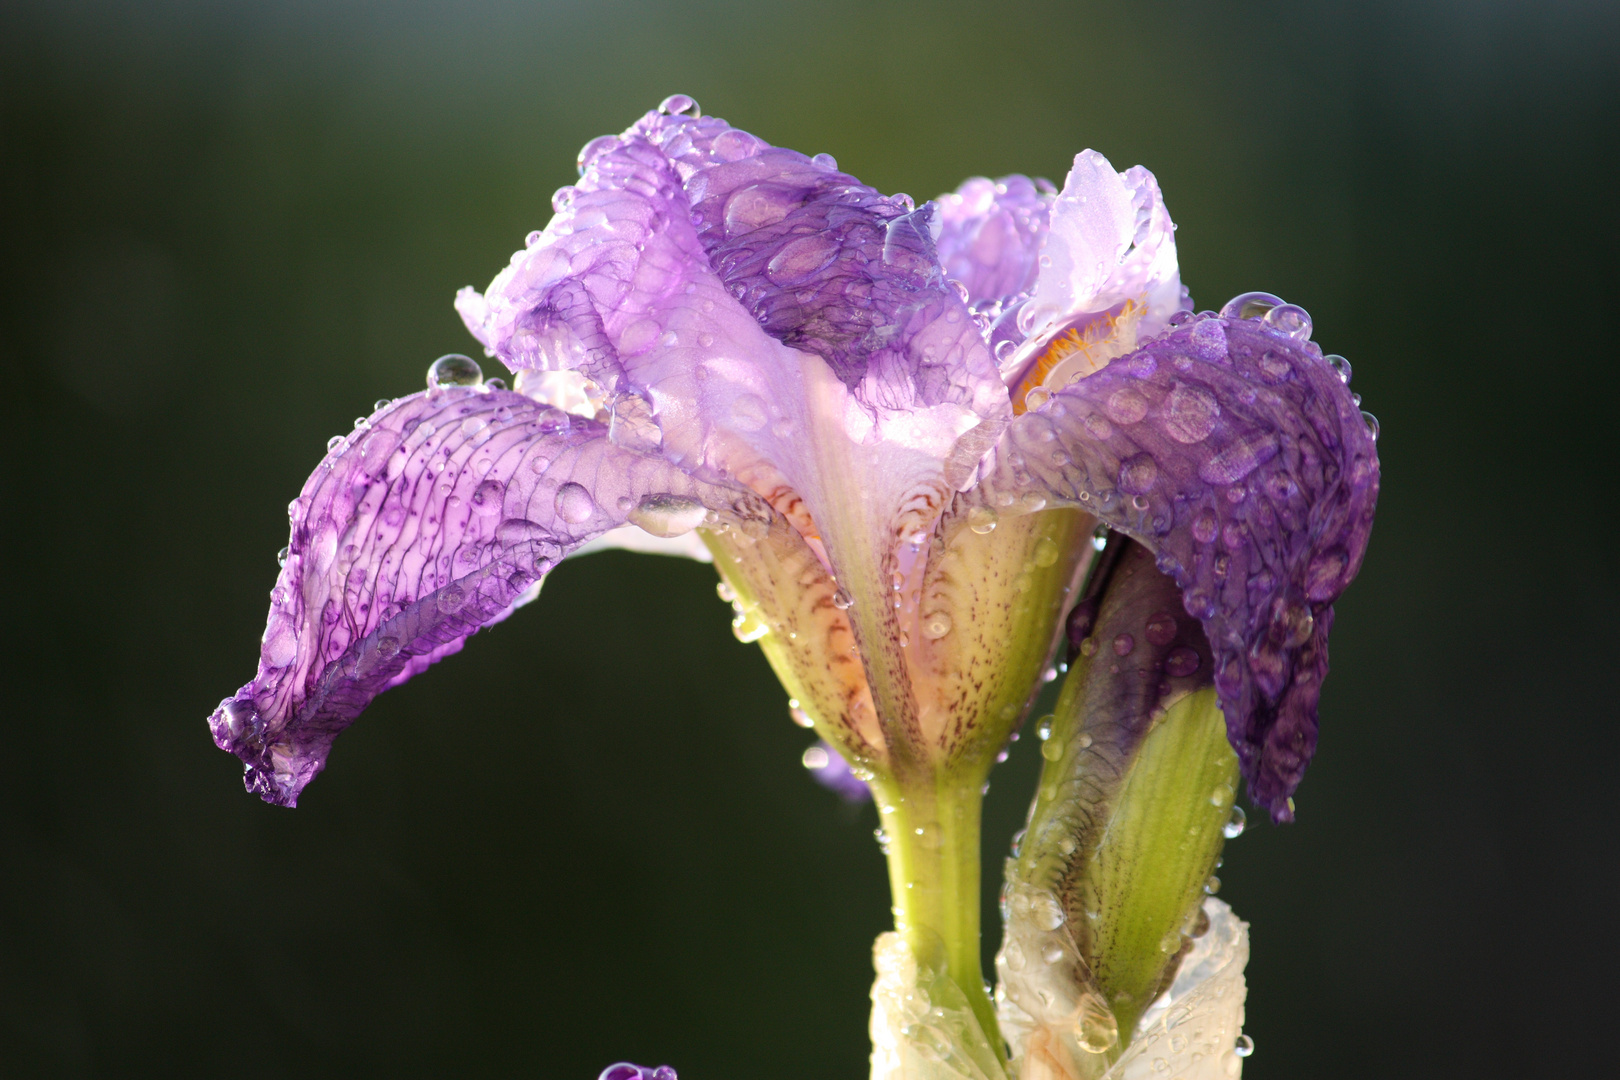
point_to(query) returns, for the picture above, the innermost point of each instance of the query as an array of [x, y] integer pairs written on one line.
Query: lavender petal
[[1236, 454], [1110, 241], [991, 235], [436, 517]]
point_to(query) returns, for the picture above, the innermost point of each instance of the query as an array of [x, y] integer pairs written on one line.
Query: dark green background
[[228, 228]]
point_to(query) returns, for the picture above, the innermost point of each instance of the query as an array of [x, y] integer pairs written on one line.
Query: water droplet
[[982, 520], [679, 105], [798, 715], [1043, 727], [1125, 406], [825, 161], [1161, 628], [1170, 942], [282, 556], [936, 626], [1250, 305], [497, 384], [1291, 624], [1048, 913], [815, 758], [1052, 954], [668, 515], [1046, 552], [380, 404], [1088, 646], [1095, 1029], [1212, 886], [1290, 319], [749, 627], [1123, 644], [574, 503], [1052, 749], [842, 600], [1013, 956], [453, 369], [1372, 423], [1340, 365], [882, 839], [1244, 1046], [486, 497], [334, 444], [1235, 824]]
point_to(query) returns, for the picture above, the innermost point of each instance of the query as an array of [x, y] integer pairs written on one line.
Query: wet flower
[[893, 428]]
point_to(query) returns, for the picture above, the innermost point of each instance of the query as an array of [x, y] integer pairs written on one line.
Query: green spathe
[[1104, 891]]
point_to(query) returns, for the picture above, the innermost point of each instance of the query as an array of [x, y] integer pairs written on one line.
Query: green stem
[[932, 826]]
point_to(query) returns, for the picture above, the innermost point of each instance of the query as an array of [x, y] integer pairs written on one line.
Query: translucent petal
[[437, 517]]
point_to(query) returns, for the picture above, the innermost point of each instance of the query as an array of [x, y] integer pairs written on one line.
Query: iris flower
[[896, 431]]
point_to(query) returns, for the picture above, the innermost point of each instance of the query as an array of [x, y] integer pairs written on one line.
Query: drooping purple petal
[[1236, 453], [436, 517], [991, 234]]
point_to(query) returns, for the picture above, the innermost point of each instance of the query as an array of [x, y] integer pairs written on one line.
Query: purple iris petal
[[759, 313], [991, 234], [1236, 453], [690, 252], [436, 517]]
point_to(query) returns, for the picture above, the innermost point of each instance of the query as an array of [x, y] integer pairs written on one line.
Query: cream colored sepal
[[922, 1026], [1190, 1033]]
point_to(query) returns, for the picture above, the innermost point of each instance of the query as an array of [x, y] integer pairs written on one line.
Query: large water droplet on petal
[[1372, 423], [453, 369], [574, 503], [936, 626], [668, 515], [1290, 319], [1181, 662], [1339, 365], [1250, 305], [1095, 1029], [982, 520], [679, 105], [1244, 1047]]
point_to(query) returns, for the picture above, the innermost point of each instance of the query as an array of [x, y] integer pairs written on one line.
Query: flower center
[[1084, 348]]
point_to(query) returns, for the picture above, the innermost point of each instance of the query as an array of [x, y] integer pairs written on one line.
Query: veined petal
[[758, 313], [436, 517], [1234, 452], [1110, 243], [991, 235]]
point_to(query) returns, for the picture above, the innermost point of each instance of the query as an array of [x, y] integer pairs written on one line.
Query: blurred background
[[227, 228]]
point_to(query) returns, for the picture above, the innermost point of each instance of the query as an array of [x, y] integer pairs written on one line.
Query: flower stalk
[[930, 836]]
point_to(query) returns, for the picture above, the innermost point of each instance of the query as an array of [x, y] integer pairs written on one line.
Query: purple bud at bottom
[[626, 1071]]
